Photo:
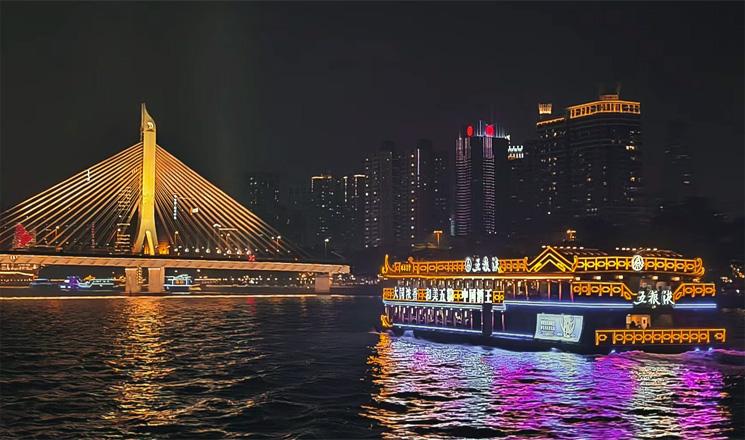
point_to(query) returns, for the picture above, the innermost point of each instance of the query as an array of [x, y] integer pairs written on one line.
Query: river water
[[313, 367]]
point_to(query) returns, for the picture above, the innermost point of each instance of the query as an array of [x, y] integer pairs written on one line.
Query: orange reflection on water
[[139, 353]]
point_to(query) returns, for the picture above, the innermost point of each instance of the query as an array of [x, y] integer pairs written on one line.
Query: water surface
[[313, 367]]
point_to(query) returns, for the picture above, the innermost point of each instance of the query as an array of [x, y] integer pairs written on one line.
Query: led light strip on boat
[[433, 304], [696, 306], [568, 305], [442, 329], [510, 335]]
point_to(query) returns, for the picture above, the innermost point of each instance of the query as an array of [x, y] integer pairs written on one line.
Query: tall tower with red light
[[480, 178]]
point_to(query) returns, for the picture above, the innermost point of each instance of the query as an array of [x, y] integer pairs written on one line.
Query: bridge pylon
[[146, 234], [147, 187]]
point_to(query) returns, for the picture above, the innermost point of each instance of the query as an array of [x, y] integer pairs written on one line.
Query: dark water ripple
[[278, 367]]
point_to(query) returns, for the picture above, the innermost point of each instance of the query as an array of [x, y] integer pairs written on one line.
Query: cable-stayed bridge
[[144, 208]]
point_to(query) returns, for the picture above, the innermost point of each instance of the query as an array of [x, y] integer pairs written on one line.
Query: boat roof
[[570, 251], [563, 260]]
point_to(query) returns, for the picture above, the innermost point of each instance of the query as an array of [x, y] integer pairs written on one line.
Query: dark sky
[[302, 87]]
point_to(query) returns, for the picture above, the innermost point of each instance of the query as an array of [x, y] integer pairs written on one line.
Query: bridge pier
[[156, 277], [132, 280], [323, 282]]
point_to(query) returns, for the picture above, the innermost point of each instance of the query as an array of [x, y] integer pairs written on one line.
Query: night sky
[[303, 87]]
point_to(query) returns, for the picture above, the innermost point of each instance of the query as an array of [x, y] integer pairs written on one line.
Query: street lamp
[[216, 227], [325, 248], [437, 233], [278, 237]]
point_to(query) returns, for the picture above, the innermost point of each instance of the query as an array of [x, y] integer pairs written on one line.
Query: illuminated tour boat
[[178, 284], [571, 298]]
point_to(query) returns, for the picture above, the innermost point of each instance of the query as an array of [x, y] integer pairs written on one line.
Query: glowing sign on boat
[[482, 264], [443, 294], [567, 328], [637, 263], [654, 298]]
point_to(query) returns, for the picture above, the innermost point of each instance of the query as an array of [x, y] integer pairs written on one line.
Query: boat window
[[638, 321], [554, 291], [646, 282], [662, 285]]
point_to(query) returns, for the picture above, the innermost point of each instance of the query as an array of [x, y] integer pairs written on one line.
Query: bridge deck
[[175, 263]]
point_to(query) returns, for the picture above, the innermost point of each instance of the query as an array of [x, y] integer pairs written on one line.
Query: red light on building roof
[[469, 131], [489, 130]]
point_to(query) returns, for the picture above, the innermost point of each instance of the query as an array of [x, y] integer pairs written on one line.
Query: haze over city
[[300, 88]]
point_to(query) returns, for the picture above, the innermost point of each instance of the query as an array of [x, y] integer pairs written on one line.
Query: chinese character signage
[[433, 294], [566, 328], [482, 264], [654, 298], [443, 294]]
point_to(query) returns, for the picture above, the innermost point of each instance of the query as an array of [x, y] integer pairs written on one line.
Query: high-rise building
[[379, 197], [123, 241], [680, 182], [263, 196], [298, 222], [591, 161], [324, 205], [441, 191], [481, 167], [414, 204], [350, 200]]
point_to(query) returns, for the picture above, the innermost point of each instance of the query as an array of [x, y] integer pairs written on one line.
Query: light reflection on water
[[430, 390]]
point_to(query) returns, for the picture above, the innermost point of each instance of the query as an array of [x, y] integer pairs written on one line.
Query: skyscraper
[[480, 161], [418, 194], [379, 197], [263, 195], [350, 197], [679, 167], [441, 191], [591, 161], [324, 205], [298, 224]]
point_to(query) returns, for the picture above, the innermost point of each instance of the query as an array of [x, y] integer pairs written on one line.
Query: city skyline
[[317, 109], [349, 220]]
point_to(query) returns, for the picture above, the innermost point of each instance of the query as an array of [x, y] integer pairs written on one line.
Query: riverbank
[[203, 291]]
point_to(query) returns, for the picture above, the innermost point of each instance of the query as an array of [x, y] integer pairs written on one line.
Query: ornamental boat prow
[[571, 298]]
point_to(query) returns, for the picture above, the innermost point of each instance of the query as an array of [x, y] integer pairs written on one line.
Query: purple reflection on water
[[437, 390]]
